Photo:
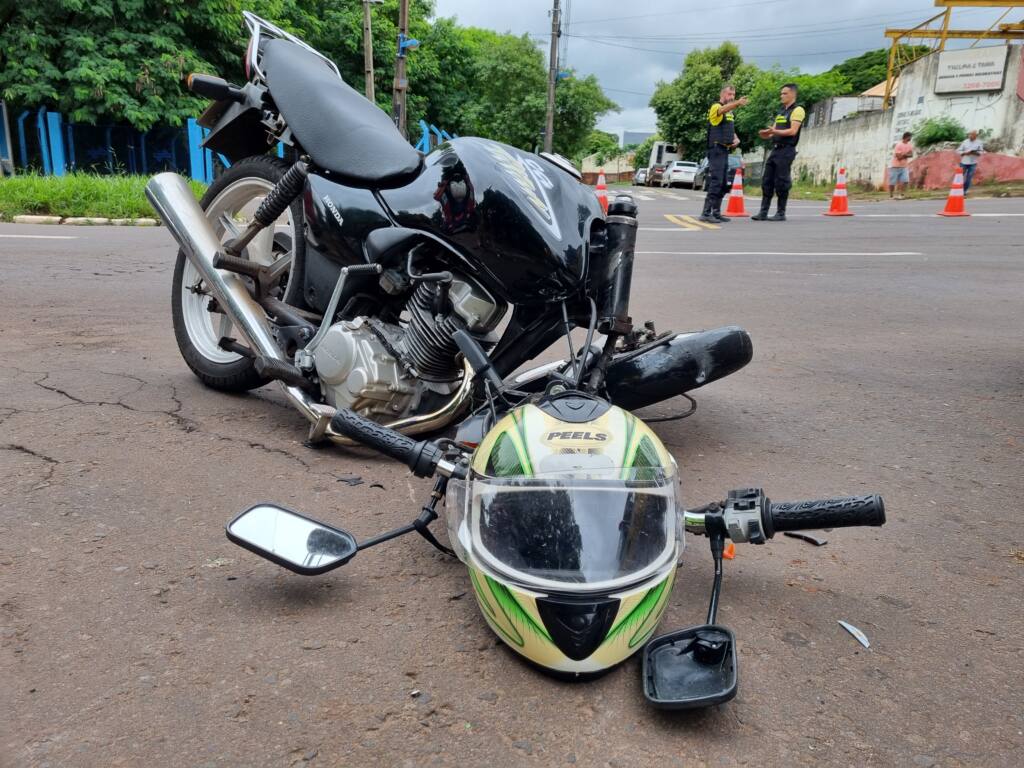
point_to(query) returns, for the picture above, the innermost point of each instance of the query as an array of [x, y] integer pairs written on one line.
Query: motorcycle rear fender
[[236, 129]]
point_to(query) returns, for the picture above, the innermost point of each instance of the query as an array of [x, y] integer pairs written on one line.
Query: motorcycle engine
[[387, 371]]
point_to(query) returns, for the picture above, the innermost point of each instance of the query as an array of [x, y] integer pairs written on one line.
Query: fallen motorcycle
[[351, 274], [393, 294]]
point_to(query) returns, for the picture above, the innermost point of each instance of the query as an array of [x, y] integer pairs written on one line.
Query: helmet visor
[[591, 530]]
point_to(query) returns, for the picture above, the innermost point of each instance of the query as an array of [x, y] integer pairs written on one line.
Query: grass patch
[[78, 194]]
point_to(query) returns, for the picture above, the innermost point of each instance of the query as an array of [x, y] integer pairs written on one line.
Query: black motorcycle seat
[[338, 127]]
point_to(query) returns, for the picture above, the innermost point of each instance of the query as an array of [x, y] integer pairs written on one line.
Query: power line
[[676, 13], [623, 90], [748, 56], [757, 33]]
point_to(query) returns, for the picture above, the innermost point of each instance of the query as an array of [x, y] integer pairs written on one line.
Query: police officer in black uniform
[[784, 135], [722, 139]]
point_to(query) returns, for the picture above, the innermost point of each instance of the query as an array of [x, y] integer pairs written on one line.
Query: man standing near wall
[[722, 140], [784, 134], [970, 150], [899, 172]]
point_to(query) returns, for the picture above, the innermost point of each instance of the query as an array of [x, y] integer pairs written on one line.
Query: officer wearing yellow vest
[[722, 139], [784, 135]]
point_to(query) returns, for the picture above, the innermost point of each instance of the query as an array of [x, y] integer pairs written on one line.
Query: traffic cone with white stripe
[[602, 191], [840, 205], [735, 206], [955, 201]]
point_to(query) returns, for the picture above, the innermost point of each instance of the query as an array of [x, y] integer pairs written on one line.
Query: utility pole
[[549, 122], [401, 82], [368, 50]]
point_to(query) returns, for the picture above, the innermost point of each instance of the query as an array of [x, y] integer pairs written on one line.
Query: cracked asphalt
[[888, 358]]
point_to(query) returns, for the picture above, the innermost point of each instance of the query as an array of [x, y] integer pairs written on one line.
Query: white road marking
[[911, 215], [646, 198], [43, 237], [778, 253]]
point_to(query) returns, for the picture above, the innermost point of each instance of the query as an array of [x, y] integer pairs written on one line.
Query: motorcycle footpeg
[[282, 371], [237, 265]]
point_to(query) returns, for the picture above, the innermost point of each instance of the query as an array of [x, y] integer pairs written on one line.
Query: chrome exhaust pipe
[[180, 211]]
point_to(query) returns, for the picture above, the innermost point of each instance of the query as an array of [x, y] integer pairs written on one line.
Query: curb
[[84, 221]]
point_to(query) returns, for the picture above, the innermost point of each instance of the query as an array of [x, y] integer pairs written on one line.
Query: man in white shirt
[[970, 150]]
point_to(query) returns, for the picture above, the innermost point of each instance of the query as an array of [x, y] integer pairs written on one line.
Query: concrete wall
[[861, 144], [864, 143]]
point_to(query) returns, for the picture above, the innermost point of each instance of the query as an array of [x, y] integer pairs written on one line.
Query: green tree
[[506, 88], [122, 61], [682, 107], [871, 68], [601, 143], [579, 103], [643, 151], [118, 60]]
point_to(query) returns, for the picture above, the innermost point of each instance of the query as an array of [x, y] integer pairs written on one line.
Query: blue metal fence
[[56, 147]]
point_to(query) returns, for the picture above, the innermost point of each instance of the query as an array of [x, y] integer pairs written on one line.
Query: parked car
[[654, 174], [640, 178], [703, 182], [679, 173]]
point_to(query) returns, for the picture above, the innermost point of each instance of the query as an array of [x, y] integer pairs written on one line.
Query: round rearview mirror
[[296, 542]]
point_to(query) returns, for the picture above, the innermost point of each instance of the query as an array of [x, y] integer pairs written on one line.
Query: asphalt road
[[888, 358]]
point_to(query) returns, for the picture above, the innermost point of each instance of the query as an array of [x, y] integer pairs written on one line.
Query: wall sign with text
[[972, 69]]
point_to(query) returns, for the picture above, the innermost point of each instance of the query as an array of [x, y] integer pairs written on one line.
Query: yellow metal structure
[[936, 29]]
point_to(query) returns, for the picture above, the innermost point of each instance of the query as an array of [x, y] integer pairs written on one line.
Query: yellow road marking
[[679, 222], [703, 224], [689, 223]]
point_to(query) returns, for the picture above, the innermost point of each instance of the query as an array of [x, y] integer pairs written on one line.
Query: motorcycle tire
[[197, 334]]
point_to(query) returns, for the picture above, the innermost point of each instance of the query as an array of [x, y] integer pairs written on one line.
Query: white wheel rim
[[235, 205]]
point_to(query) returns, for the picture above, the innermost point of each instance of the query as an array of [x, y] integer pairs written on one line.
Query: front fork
[[615, 282]]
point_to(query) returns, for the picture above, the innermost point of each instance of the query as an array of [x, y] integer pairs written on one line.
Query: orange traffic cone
[[602, 191], [735, 207], [840, 205], [955, 201]]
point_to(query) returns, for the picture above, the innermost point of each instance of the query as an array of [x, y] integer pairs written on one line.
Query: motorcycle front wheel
[[229, 203]]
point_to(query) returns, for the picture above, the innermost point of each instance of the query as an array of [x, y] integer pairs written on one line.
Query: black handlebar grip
[[841, 512], [420, 456]]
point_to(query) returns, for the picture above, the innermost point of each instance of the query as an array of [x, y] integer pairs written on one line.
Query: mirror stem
[[428, 514]]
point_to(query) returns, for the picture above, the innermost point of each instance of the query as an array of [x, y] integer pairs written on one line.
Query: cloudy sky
[[632, 45]]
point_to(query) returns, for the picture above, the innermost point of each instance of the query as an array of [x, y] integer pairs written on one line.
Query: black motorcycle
[[410, 289]]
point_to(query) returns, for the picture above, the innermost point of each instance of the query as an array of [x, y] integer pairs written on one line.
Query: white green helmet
[[569, 525]]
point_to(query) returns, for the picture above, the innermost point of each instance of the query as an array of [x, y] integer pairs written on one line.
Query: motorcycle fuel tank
[[521, 222]]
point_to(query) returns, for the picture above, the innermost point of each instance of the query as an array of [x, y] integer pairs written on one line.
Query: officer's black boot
[[765, 205], [780, 209], [762, 215], [707, 215]]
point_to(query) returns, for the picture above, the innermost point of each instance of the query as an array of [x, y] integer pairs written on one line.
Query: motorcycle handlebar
[[843, 512], [421, 456]]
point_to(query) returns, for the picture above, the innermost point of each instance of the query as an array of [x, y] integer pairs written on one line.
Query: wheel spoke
[[230, 227], [261, 247], [225, 327]]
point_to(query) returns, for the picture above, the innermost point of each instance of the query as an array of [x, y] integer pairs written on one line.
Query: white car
[[679, 172]]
